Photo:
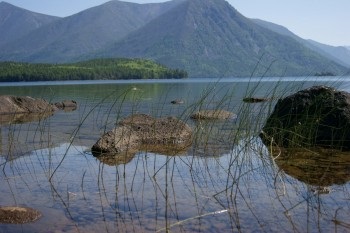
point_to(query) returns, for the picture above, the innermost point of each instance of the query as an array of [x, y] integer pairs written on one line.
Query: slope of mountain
[[16, 22], [205, 37], [339, 54], [210, 38], [83, 32]]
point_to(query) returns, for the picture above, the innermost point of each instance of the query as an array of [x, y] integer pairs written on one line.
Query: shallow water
[[227, 182]]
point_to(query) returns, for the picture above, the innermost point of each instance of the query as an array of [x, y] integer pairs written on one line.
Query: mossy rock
[[317, 116]]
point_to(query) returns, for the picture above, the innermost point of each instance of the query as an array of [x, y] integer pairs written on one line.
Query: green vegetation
[[98, 69]]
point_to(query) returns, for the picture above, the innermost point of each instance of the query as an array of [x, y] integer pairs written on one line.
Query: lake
[[227, 181]]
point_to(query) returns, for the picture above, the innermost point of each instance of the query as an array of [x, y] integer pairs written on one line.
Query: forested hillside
[[98, 69]]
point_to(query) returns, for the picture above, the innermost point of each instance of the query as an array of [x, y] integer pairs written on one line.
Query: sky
[[325, 21]]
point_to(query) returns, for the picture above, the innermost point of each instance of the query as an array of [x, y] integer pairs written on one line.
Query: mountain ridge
[[339, 54], [85, 31], [17, 22], [222, 41], [208, 38]]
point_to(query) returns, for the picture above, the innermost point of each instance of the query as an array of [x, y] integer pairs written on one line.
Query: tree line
[[97, 69]]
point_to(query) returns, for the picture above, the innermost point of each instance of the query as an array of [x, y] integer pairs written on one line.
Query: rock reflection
[[126, 157], [117, 159], [21, 118], [317, 167]]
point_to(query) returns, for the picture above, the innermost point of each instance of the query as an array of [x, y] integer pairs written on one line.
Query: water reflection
[[126, 157], [226, 182], [21, 118], [317, 167]]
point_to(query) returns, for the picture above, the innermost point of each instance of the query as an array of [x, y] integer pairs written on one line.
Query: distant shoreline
[[97, 69]]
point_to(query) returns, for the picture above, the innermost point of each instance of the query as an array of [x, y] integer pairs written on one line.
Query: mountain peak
[[17, 22], [208, 38]]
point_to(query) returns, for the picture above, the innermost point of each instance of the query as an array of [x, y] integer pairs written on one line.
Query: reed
[[228, 180]]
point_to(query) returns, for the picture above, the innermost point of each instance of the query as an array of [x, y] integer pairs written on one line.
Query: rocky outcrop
[[18, 104], [317, 116], [26, 104], [21, 109], [213, 115], [137, 131]]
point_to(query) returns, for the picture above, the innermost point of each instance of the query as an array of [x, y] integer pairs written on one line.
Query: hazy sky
[[326, 21]]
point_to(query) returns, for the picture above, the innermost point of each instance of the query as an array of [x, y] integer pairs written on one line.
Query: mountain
[[82, 33], [340, 54], [208, 38], [16, 22], [211, 38], [337, 53]]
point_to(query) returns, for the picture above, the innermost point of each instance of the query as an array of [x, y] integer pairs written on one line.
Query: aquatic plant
[[227, 181]]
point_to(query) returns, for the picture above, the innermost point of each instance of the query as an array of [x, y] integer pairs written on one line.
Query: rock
[[213, 115], [177, 101], [18, 215], [18, 104], [67, 105], [255, 99], [140, 130], [317, 116], [21, 109]]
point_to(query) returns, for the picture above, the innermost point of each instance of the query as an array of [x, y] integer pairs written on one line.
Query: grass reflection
[[227, 181]]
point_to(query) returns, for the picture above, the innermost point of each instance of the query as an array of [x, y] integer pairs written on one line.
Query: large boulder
[[137, 131], [317, 116]]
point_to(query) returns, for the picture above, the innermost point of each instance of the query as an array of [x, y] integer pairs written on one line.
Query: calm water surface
[[228, 181]]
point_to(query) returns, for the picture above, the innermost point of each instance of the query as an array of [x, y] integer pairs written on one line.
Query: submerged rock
[[67, 105], [213, 115], [23, 104], [21, 109], [255, 99], [18, 215], [317, 116], [137, 131], [177, 101]]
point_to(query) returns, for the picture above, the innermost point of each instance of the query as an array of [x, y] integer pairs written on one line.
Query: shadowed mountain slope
[[210, 38], [16, 22], [82, 33]]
